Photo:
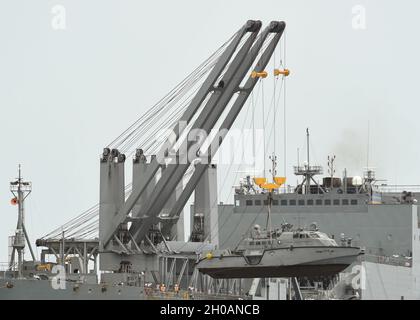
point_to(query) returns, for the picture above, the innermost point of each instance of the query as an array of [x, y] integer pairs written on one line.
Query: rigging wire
[[284, 108], [253, 130], [128, 137], [257, 216], [151, 123], [275, 79], [168, 98], [260, 91], [272, 108], [159, 118], [263, 122], [79, 220], [213, 227], [82, 220]]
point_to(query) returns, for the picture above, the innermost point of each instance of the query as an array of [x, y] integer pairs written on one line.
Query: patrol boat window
[[298, 235]]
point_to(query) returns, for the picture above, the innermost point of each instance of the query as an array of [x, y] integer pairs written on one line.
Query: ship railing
[[305, 169], [398, 187], [286, 189], [152, 293], [395, 260], [5, 266]]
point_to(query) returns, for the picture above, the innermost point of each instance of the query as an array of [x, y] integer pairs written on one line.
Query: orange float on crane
[[262, 74], [284, 72]]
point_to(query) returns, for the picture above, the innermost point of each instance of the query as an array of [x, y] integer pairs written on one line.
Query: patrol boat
[[281, 253], [284, 252]]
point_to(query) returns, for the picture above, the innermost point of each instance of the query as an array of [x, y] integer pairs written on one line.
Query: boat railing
[[395, 260]]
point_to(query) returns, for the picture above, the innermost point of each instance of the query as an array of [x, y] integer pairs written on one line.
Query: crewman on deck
[[176, 288]]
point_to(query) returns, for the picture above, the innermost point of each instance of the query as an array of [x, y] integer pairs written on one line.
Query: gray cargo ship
[[131, 245]]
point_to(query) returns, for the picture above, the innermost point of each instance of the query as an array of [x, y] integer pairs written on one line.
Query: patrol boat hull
[[281, 262]]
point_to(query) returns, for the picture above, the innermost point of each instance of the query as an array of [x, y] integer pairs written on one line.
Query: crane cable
[[168, 98], [93, 212], [89, 214], [168, 105], [259, 91], [215, 202], [281, 90]]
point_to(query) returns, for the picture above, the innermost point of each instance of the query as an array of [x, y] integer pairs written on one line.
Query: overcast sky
[[65, 94]]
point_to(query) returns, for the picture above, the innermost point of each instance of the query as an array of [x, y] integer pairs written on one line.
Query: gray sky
[[65, 94]]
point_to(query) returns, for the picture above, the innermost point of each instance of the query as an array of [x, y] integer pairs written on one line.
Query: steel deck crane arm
[[233, 86], [206, 120], [207, 86], [228, 122]]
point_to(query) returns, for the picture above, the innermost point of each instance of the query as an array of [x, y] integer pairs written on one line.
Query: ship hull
[[27, 289]]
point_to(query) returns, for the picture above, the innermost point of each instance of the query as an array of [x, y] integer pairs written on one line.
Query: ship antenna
[[307, 145], [269, 225], [368, 145], [273, 170], [308, 181], [331, 169], [20, 190], [298, 157]]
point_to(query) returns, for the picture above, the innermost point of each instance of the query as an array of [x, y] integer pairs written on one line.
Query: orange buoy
[[14, 201]]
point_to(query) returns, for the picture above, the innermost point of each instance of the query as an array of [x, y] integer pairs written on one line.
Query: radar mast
[[20, 190]]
